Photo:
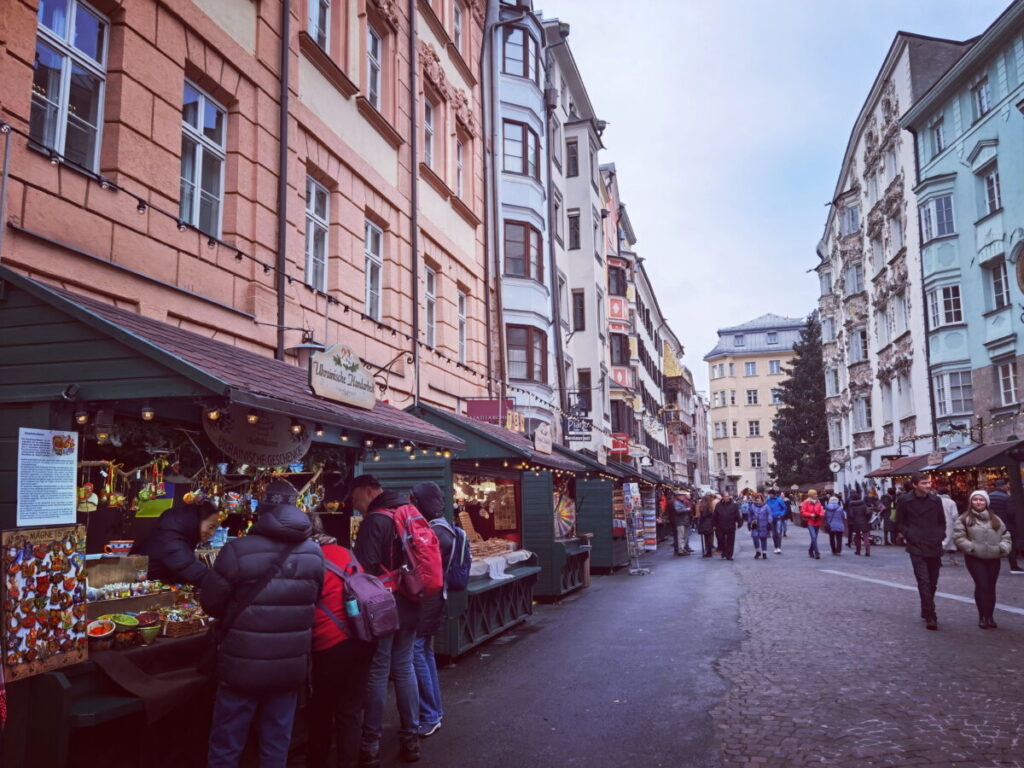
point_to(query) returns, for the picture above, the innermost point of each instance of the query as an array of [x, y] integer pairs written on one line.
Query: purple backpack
[[376, 613]]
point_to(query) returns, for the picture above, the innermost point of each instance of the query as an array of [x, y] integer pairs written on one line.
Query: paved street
[[787, 662]]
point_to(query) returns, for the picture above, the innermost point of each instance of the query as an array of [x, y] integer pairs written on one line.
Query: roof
[[239, 375], [591, 463], [901, 466], [767, 322], [978, 457]]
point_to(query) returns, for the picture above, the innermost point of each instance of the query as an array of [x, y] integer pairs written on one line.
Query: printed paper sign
[[47, 469]]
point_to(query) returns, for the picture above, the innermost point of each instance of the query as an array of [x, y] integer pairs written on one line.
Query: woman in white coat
[[984, 540]]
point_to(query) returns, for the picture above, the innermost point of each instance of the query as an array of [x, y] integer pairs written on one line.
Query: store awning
[[979, 457], [623, 471], [948, 457], [224, 371], [592, 464], [901, 466], [650, 477], [491, 441]]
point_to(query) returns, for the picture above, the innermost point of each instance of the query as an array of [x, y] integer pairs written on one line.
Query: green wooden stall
[[595, 500]]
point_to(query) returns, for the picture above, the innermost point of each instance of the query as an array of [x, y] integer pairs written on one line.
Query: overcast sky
[[727, 124]]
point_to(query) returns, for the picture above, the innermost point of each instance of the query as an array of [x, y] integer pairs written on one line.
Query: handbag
[[218, 631]]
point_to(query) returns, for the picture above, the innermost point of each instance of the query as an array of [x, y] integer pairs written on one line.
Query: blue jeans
[[760, 542], [233, 713], [777, 524], [813, 531], [393, 657], [425, 666]]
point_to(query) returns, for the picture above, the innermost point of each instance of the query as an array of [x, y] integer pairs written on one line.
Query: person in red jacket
[[339, 669], [813, 513]]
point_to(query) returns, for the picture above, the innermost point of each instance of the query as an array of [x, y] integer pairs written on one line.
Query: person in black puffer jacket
[[263, 659], [171, 547]]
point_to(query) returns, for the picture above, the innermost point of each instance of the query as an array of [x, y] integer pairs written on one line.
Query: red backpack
[[421, 575]]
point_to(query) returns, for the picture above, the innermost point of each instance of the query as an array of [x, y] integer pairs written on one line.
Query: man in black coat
[[1000, 503], [377, 549], [263, 656], [171, 547], [727, 520], [921, 521]]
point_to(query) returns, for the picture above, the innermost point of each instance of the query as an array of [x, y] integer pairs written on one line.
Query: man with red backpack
[[397, 545]]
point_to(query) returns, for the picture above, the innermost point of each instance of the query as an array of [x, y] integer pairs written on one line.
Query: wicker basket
[[182, 628]]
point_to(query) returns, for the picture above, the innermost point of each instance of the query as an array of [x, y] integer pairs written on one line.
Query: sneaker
[[410, 748], [1017, 571], [429, 730], [778, 551]]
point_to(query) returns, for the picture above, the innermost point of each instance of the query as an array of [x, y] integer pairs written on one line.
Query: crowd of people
[[928, 523]]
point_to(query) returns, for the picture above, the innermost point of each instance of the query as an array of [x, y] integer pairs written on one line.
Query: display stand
[[634, 529]]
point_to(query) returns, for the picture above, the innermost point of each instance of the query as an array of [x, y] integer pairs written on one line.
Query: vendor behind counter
[[171, 547]]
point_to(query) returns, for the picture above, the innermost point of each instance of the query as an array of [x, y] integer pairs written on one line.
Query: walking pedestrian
[[889, 516], [858, 520], [983, 538], [341, 664], [263, 588], [379, 550], [727, 520], [813, 514], [1005, 506], [949, 508], [835, 519], [706, 525], [921, 521], [779, 508], [760, 523], [680, 511]]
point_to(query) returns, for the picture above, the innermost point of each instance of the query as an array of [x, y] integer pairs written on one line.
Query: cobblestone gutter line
[[840, 674]]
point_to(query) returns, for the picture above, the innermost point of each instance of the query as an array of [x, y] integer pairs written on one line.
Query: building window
[[944, 306], [861, 414], [731, 369], [954, 393], [527, 353], [998, 285], [579, 311], [993, 198], [317, 200], [732, 396], [937, 218], [428, 133], [320, 21], [751, 397], [753, 429], [884, 327], [981, 97], [431, 300], [773, 337], [717, 399], [373, 248], [938, 138], [584, 393], [1007, 383], [457, 26], [574, 231], [68, 81], [619, 348], [902, 314], [750, 369], [460, 168], [776, 397], [520, 57], [736, 458], [825, 281], [832, 382], [203, 142], [720, 429], [556, 214], [622, 417], [522, 149], [895, 235], [523, 251], [755, 459], [572, 157], [877, 254], [735, 429], [616, 281], [774, 367], [872, 189], [854, 278], [463, 325], [849, 220], [374, 66], [739, 340], [858, 345], [828, 328]]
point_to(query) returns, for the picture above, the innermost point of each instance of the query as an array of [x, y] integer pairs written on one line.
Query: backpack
[[376, 613], [421, 575], [457, 576]]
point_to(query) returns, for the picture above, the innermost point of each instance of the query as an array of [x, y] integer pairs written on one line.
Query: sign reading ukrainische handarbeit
[[542, 442], [47, 473], [337, 374]]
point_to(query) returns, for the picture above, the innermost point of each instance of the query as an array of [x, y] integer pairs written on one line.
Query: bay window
[[937, 218], [522, 247], [944, 307], [954, 393], [527, 353], [521, 149]]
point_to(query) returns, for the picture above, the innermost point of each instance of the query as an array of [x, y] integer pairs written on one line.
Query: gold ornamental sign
[[337, 374]]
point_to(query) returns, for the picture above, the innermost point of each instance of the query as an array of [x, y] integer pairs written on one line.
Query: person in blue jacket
[[835, 519], [760, 522], [779, 508]]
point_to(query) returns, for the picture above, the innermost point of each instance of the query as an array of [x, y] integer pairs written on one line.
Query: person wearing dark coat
[[1004, 507], [263, 657], [858, 517], [171, 547], [921, 520], [429, 500], [378, 548], [727, 520]]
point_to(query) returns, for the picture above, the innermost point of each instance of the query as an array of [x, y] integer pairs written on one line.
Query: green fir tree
[[800, 433]]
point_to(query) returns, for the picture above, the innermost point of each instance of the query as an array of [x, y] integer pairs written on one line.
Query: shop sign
[[269, 442], [337, 374], [47, 477], [638, 451], [602, 454], [542, 442], [620, 444], [885, 465], [934, 458], [515, 421], [623, 377], [645, 461], [578, 430], [490, 409]]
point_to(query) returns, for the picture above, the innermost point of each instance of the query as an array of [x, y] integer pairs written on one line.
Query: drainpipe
[[485, 128], [282, 176], [3, 187], [414, 202]]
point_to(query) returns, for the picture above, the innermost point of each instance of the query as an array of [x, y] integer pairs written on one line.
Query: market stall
[[596, 512], [134, 417], [979, 466]]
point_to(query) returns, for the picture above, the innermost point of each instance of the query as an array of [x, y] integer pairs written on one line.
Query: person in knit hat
[[984, 539]]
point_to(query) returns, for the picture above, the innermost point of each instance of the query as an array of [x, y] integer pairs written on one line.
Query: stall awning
[[237, 375], [901, 466], [590, 462], [653, 478], [978, 457], [484, 440], [623, 471], [948, 457]]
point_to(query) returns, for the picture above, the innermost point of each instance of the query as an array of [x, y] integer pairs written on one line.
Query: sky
[[727, 124]]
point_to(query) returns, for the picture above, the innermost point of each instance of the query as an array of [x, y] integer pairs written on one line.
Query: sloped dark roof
[[237, 374], [767, 322], [901, 466], [978, 457]]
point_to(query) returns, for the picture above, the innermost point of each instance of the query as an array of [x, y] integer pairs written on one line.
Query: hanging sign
[[620, 443], [542, 442], [47, 465], [269, 442], [515, 421], [337, 374], [578, 430], [935, 458]]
